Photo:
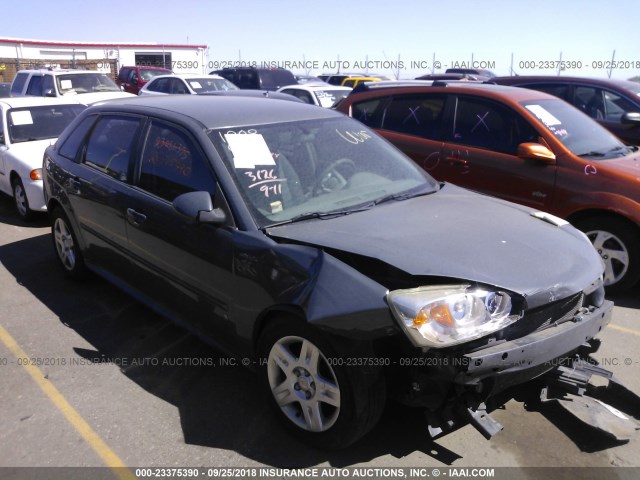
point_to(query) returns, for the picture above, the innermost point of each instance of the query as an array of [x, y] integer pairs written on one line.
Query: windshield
[[39, 123], [85, 83], [578, 132], [291, 170], [207, 85], [328, 98], [633, 87]]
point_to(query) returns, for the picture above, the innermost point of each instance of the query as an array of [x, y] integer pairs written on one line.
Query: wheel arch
[[272, 314], [582, 215], [622, 263]]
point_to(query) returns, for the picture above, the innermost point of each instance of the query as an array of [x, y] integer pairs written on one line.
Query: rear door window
[[369, 112], [35, 86], [590, 100], [560, 91], [418, 115], [160, 85], [110, 145]]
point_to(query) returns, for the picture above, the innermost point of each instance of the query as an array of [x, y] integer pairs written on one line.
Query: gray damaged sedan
[[299, 237]]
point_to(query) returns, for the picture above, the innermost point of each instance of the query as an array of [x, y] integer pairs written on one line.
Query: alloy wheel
[[614, 253], [303, 384], [64, 244]]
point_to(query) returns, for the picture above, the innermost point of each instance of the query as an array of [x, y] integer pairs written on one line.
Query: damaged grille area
[[545, 316]]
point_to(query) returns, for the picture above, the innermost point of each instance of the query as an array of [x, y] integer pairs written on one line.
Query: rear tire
[[618, 243], [66, 245], [317, 398]]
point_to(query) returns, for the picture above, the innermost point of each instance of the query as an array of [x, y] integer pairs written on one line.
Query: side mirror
[[49, 93], [134, 80], [630, 118], [198, 207], [535, 151]]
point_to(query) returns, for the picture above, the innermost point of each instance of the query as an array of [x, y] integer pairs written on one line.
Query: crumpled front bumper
[[496, 368]]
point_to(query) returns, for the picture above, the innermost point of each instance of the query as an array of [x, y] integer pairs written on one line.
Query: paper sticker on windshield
[[249, 150], [325, 99], [195, 85], [22, 117], [66, 84], [544, 116]]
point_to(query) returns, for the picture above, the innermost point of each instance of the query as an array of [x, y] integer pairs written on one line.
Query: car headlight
[[446, 315]]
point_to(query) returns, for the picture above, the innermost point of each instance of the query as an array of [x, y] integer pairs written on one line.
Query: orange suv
[[523, 146]]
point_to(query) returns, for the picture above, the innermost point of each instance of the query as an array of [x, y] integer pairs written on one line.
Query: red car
[[523, 146], [132, 79]]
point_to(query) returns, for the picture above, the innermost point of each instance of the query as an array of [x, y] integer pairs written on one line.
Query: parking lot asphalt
[[110, 383]]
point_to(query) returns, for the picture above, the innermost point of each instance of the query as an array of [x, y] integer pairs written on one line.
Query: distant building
[[18, 54]]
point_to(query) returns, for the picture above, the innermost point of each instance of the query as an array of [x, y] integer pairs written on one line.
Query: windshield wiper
[[323, 215], [326, 215], [624, 149], [621, 149], [591, 154], [402, 196]]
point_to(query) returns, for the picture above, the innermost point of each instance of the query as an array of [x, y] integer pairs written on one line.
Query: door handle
[[135, 218], [457, 161], [74, 184]]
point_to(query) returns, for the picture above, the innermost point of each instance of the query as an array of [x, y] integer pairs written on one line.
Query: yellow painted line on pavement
[[624, 329], [108, 456]]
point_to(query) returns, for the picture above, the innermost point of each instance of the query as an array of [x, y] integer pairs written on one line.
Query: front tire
[[318, 399], [66, 245], [618, 243], [20, 199]]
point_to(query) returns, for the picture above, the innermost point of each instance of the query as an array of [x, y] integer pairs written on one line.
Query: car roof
[[188, 75], [562, 79], [19, 102], [64, 71], [218, 111], [316, 86], [147, 67], [485, 89]]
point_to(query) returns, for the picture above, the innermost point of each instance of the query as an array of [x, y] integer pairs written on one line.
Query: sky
[[405, 36]]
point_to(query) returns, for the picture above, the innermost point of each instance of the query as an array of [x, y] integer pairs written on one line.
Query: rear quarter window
[[69, 149], [18, 83]]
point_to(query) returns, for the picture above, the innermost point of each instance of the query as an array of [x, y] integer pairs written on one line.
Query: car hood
[[461, 235], [629, 165], [91, 98], [29, 154]]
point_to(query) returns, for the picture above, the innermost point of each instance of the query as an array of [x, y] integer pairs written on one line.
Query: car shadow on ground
[[630, 299], [221, 405]]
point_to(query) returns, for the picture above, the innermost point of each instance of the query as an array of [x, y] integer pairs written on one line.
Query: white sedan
[[186, 84], [28, 125], [322, 95]]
